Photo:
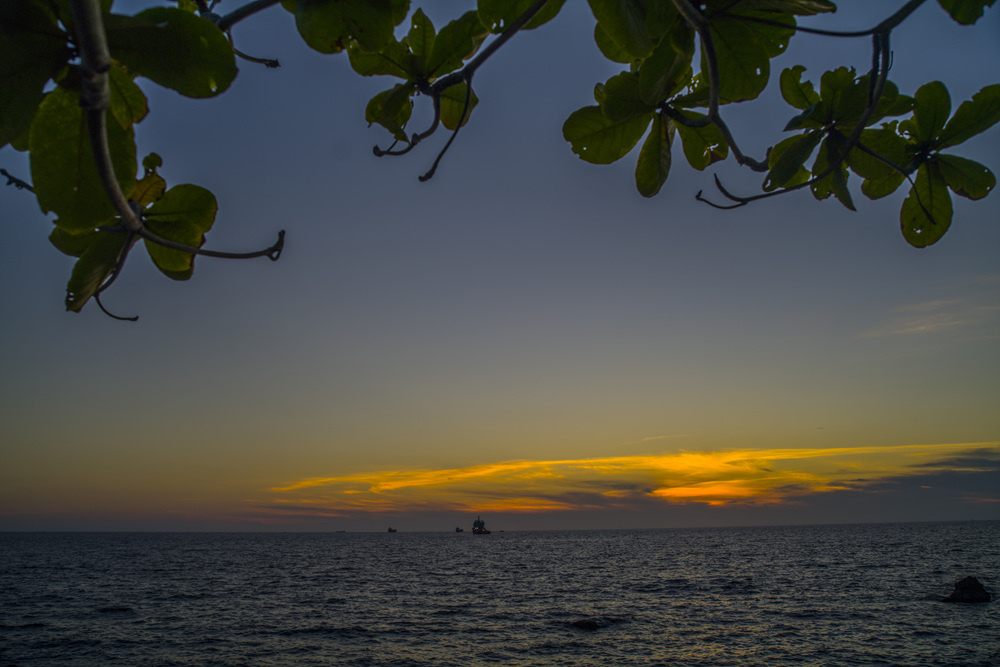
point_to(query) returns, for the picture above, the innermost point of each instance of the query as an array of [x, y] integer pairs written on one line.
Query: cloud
[[974, 314], [736, 477]]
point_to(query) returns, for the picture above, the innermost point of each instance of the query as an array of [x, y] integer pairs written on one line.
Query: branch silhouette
[[95, 96]]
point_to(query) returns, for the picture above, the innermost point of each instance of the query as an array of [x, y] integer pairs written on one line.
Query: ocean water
[[865, 594]]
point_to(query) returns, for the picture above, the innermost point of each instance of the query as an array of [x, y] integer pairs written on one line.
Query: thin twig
[[272, 253], [119, 265], [16, 182], [97, 300], [270, 63], [881, 55], [417, 136], [461, 121]]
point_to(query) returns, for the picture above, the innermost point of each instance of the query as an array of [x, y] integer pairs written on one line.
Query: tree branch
[[232, 18], [95, 97], [699, 22], [465, 74], [272, 253], [888, 24], [16, 182]]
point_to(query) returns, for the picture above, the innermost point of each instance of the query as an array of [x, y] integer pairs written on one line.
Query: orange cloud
[[749, 476]]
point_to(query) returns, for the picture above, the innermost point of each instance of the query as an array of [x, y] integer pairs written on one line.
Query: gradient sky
[[523, 337]]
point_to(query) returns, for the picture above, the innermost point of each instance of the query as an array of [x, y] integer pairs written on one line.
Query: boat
[[479, 527], [459, 530], [391, 529]]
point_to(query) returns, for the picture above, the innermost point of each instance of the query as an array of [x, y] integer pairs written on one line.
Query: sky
[[523, 337]]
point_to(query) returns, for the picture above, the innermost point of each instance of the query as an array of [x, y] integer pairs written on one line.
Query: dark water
[[823, 595]]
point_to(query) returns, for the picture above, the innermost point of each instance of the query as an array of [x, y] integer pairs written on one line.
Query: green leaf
[[835, 182], [97, 262], [457, 41], [622, 99], [151, 186], [965, 177], [190, 204], [926, 212], [966, 12], [148, 189], [880, 178], [808, 119], [653, 167], [624, 22], [744, 51], [903, 104], [174, 48], [972, 117], [663, 73], [128, 103], [71, 244], [498, 15], [598, 139], [931, 108], [420, 39], [392, 108], [394, 60], [328, 25], [800, 94], [152, 162], [62, 164], [32, 51], [453, 101], [787, 158], [832, 83], [184, 214], [609, 48], [851, 102], [704, 145]]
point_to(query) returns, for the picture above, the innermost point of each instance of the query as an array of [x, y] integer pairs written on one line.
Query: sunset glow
[[750, 477], [524, 335]]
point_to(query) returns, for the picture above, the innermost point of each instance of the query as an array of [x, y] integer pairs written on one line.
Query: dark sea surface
[[865, 594]]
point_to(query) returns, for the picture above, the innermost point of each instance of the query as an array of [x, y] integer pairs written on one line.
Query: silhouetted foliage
[[68, 96]]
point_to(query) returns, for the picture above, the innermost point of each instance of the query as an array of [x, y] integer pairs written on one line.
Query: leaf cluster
[[673, 89], [41, 111], [683, 63]]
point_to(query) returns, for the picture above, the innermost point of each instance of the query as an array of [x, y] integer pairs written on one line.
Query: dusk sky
[[524, 336]]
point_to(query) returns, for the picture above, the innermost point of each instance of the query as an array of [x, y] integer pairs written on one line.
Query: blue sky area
[[524, 336]]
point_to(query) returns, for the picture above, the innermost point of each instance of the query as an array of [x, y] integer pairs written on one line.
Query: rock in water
[[968, 590], [591, 623]]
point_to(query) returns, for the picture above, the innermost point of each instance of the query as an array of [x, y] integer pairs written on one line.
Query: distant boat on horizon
[[479, 527], [459, 530], [391, 529]]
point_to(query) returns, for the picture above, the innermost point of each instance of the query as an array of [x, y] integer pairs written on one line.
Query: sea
[[865, 594]]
